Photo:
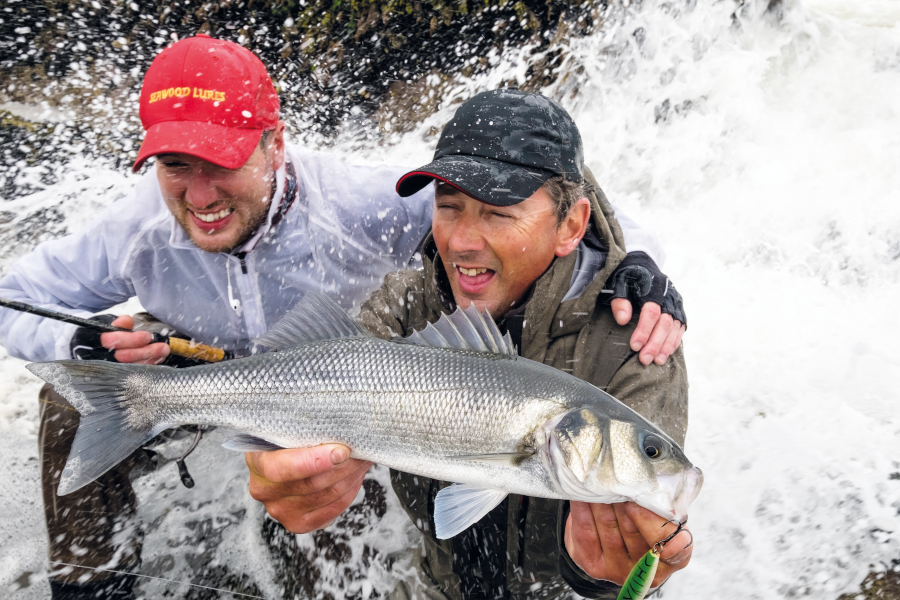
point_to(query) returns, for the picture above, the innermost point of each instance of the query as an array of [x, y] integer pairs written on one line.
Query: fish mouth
[[674, 495], [692, 482]]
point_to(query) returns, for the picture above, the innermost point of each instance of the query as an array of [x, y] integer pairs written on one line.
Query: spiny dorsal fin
[[316, 317], [465, 329]]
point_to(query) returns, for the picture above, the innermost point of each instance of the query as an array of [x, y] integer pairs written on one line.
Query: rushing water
[[762, 144]]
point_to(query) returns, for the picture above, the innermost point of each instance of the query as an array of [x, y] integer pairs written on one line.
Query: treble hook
[[660, 545]]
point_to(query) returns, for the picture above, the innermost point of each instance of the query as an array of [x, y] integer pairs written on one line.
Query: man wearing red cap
[[218, 240]]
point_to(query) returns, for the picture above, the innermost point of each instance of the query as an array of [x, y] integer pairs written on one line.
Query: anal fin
[[243, 442], [459, 506]]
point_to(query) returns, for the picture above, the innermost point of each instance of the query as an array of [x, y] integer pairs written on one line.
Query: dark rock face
[[334, 62], [883, 585]]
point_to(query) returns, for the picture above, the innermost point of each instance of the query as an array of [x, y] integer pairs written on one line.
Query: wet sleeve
[[658, 392], [386, 312], [376, 220], [635, 238], [582, 583], [80, 274], [638, 239]]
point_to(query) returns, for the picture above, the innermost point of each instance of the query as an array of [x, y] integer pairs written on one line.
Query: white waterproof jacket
[[345, 229]]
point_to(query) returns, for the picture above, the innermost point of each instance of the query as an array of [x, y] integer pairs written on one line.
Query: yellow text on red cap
[[182, 92]]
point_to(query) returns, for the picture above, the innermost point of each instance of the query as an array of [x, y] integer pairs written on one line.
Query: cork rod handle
[[189, 349]]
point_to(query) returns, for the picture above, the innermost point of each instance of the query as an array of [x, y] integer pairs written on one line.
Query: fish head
[[598, 458]]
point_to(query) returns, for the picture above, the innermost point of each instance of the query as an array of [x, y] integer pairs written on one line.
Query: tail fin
[[106, 435]]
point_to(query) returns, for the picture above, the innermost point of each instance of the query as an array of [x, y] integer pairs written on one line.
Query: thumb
[[293, 464], [621, 309], [124, 321]]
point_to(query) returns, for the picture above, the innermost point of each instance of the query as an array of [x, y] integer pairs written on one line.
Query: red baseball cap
[[208, 98]]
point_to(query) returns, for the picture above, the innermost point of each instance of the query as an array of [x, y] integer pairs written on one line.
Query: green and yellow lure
[[641, 577]]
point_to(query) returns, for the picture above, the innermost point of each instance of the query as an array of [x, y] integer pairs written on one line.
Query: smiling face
[[494, 253], [220, 208]]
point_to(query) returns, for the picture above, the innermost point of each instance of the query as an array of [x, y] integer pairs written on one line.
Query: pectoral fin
[[509, 458], [460, 505]]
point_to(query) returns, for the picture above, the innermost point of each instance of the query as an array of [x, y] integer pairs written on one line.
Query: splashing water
[[761, 142]]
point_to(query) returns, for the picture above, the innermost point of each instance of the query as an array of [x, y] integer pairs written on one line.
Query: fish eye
[[653, 446]]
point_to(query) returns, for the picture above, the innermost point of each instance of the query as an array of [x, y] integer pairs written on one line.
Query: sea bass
[[453, 402]]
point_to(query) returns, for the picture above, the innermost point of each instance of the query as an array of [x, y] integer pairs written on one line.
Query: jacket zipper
[[241, 256], [251, 307]]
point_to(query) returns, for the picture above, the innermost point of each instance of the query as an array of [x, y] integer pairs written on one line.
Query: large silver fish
[[453, 402]]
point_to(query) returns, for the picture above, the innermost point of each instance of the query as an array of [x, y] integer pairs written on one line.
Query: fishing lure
[[641, 577]]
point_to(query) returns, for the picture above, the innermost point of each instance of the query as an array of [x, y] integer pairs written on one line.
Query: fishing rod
[[205, 587], [178, 346]]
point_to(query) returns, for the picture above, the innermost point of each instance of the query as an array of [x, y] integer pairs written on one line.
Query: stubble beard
[[202, 240]]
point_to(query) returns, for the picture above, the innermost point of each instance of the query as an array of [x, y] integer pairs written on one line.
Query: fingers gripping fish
[[453, 402]]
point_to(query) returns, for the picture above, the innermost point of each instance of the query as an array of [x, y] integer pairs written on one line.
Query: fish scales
[[408, 406]]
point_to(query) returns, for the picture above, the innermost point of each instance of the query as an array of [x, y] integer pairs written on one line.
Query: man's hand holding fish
[[306, 489], [605, 540]]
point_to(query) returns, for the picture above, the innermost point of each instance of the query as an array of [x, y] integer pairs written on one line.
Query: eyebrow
[[445, 188]]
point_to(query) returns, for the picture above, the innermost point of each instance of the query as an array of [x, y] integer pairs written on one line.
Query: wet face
[[494, 253], [220, 208]]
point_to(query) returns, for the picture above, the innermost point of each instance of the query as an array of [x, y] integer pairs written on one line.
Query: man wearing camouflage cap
[[520, 229]]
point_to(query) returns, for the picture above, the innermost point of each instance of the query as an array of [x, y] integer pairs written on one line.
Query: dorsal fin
[[316, 317], [465, 329]]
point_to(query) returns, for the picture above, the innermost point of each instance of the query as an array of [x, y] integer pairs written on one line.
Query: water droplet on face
[[247, 113]]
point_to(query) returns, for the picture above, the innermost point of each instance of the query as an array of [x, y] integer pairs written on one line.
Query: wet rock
[[331, 60], [883, 585]]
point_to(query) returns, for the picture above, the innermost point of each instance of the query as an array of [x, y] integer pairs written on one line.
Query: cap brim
[[491, 181], [228, 147]]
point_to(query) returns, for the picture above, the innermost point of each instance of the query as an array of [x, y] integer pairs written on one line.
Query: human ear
[[571, 230], [275, 146]]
